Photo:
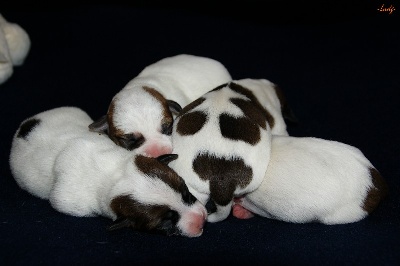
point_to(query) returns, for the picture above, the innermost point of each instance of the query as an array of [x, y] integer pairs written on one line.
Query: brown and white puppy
[[82, 173], [140, 116], [221, 138]]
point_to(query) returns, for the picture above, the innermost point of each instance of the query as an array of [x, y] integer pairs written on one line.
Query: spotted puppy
[[82, 173], [140, 116], [314, 180], [221, 138]]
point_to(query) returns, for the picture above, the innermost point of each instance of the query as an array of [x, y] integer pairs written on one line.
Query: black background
[[338, 64]]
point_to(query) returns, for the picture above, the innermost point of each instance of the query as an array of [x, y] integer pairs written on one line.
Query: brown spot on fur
[[224, 174], [113, 131], [119, 137], [156, 169], [139, 216], [376, 193], [191, 106], [239, 128], [26, 127], [191, 123], [249, 94], [251, 111]]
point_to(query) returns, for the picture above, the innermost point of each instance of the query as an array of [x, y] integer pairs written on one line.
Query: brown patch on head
[[239, 128], [376, 193], [191, 123], [224, 174], [127, 140], [249, 94], [143, 217], [113, 131], [156, 169], [167, 115], [191, 106]]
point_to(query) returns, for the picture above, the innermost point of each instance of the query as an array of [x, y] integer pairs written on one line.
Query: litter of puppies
[[151, 165]]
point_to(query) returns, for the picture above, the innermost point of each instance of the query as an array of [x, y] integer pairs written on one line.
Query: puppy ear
[[100, 125], [167, 158], [121, 222], [174, 106]]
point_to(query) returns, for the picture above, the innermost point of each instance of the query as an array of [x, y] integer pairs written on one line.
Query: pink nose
[[156, 150], [196, 224]]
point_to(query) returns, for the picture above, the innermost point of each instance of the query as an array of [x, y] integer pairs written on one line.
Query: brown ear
[[100, 125], [121, 222], [174, 106]]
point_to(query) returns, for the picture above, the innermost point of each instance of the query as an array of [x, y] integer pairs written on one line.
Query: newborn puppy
[[314, 180], [221, 138], [140, 115], [82, 173]]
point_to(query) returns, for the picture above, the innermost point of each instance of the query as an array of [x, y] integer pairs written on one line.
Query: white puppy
[[220, 139], [54, 156], [314, 180], [140, 115]]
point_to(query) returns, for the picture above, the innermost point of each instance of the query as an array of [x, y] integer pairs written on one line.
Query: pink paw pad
[[240, 212]]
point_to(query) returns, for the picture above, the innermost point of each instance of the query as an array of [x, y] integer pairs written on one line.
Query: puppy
[[314, 180], [140, 116], [221, 138], [82, 173]]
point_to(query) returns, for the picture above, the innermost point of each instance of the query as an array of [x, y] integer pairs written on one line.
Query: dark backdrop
[[337, 63]]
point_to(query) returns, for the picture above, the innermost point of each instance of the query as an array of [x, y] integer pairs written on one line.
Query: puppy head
[[156, 199], [139, 119]]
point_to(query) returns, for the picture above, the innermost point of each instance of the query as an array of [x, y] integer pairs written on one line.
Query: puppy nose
[[197, 223], [157, 150]]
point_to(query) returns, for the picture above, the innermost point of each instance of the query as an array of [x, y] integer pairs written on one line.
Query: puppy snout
[[197, 223], [157, 150]]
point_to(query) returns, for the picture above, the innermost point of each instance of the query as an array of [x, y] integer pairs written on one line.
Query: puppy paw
[[240, 212]]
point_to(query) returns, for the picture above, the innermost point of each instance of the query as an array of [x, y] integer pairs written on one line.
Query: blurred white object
[[14, 47]]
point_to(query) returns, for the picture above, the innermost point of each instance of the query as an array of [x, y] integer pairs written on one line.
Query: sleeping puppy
[[221, 138], [140, 116], [82, 173], [314, 180]]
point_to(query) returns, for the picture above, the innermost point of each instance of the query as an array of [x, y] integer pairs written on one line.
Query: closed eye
[[130, 141], [166, 128]]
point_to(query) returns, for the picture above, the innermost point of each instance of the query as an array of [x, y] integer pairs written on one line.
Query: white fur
[[209, 139], [181, 78], [81, 172], [310, 179], [14, 47]]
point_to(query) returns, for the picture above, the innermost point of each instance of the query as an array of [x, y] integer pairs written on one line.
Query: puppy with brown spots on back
[[223, 140], [140, 116]]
